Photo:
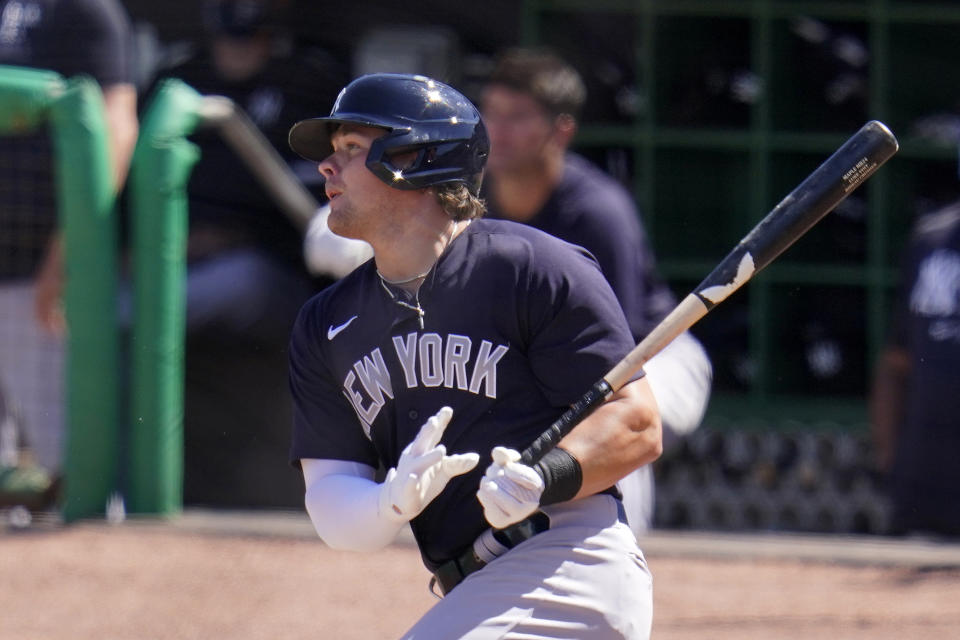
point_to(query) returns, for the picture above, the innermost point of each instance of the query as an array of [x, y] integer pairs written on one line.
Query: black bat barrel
[[841, 173]]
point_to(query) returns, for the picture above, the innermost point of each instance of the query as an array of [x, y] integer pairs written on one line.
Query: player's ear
[[565, 127]]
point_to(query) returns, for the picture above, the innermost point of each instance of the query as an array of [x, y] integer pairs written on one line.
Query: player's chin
[[340, 220]]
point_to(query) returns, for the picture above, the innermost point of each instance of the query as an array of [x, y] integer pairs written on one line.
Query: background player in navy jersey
[[914, 402], [530, 105], [445, 355]]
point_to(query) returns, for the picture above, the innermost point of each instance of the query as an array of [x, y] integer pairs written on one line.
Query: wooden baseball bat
[[849, 166]]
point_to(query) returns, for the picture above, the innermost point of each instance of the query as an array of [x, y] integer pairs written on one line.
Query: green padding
[[161, 167], [25, 97], [86, 201]]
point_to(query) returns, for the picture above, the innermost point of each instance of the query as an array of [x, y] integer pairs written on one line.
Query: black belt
[[452, 572]]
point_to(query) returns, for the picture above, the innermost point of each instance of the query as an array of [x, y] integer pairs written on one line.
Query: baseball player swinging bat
[[849, 166]]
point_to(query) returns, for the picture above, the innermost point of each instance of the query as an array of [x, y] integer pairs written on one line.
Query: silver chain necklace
[[415, 307], [403, 303], [407, 281]]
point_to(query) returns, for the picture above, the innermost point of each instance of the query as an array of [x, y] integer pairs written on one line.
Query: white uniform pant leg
[[583, 579], [639, 498], [31, 373]]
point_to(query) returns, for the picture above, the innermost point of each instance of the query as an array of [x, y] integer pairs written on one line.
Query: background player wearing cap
[[530, 105], [500, 327], [246, 279]]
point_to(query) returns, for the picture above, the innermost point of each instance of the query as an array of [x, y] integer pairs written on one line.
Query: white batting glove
[[510, 490], [422, 472]]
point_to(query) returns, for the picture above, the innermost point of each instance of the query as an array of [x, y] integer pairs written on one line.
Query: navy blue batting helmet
[[421, 115]]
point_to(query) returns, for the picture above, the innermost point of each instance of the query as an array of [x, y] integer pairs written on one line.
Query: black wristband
[[562, 476]]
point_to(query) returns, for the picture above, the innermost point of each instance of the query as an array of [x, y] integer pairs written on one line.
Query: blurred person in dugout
[[530, 104], [246, 274], [915, 400], [71, 37]]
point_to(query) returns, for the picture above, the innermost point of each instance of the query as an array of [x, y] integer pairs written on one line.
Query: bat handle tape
[[597, 395]]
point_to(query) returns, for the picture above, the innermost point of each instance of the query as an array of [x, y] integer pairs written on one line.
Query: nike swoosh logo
[[333, 331]]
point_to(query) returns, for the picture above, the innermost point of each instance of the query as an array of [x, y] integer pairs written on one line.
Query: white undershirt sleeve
[[342, 500]]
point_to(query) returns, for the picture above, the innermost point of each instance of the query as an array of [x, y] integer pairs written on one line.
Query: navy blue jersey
[[591, 209], [518, 324], [70, 37], [90, 37]]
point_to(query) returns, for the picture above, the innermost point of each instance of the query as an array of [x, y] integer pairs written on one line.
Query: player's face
[[521, 130], [358, 199]]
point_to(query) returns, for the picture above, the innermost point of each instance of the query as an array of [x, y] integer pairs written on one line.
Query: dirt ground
[[95, 582]]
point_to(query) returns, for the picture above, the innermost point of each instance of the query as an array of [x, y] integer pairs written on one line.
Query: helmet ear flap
[[381, 161]]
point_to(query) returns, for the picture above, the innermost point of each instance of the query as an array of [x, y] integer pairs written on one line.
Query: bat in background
[[846, 169]]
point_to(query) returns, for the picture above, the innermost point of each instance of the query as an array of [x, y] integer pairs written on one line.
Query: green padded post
[[25, 97], [87, 199], [29, 99], [161, 167]]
